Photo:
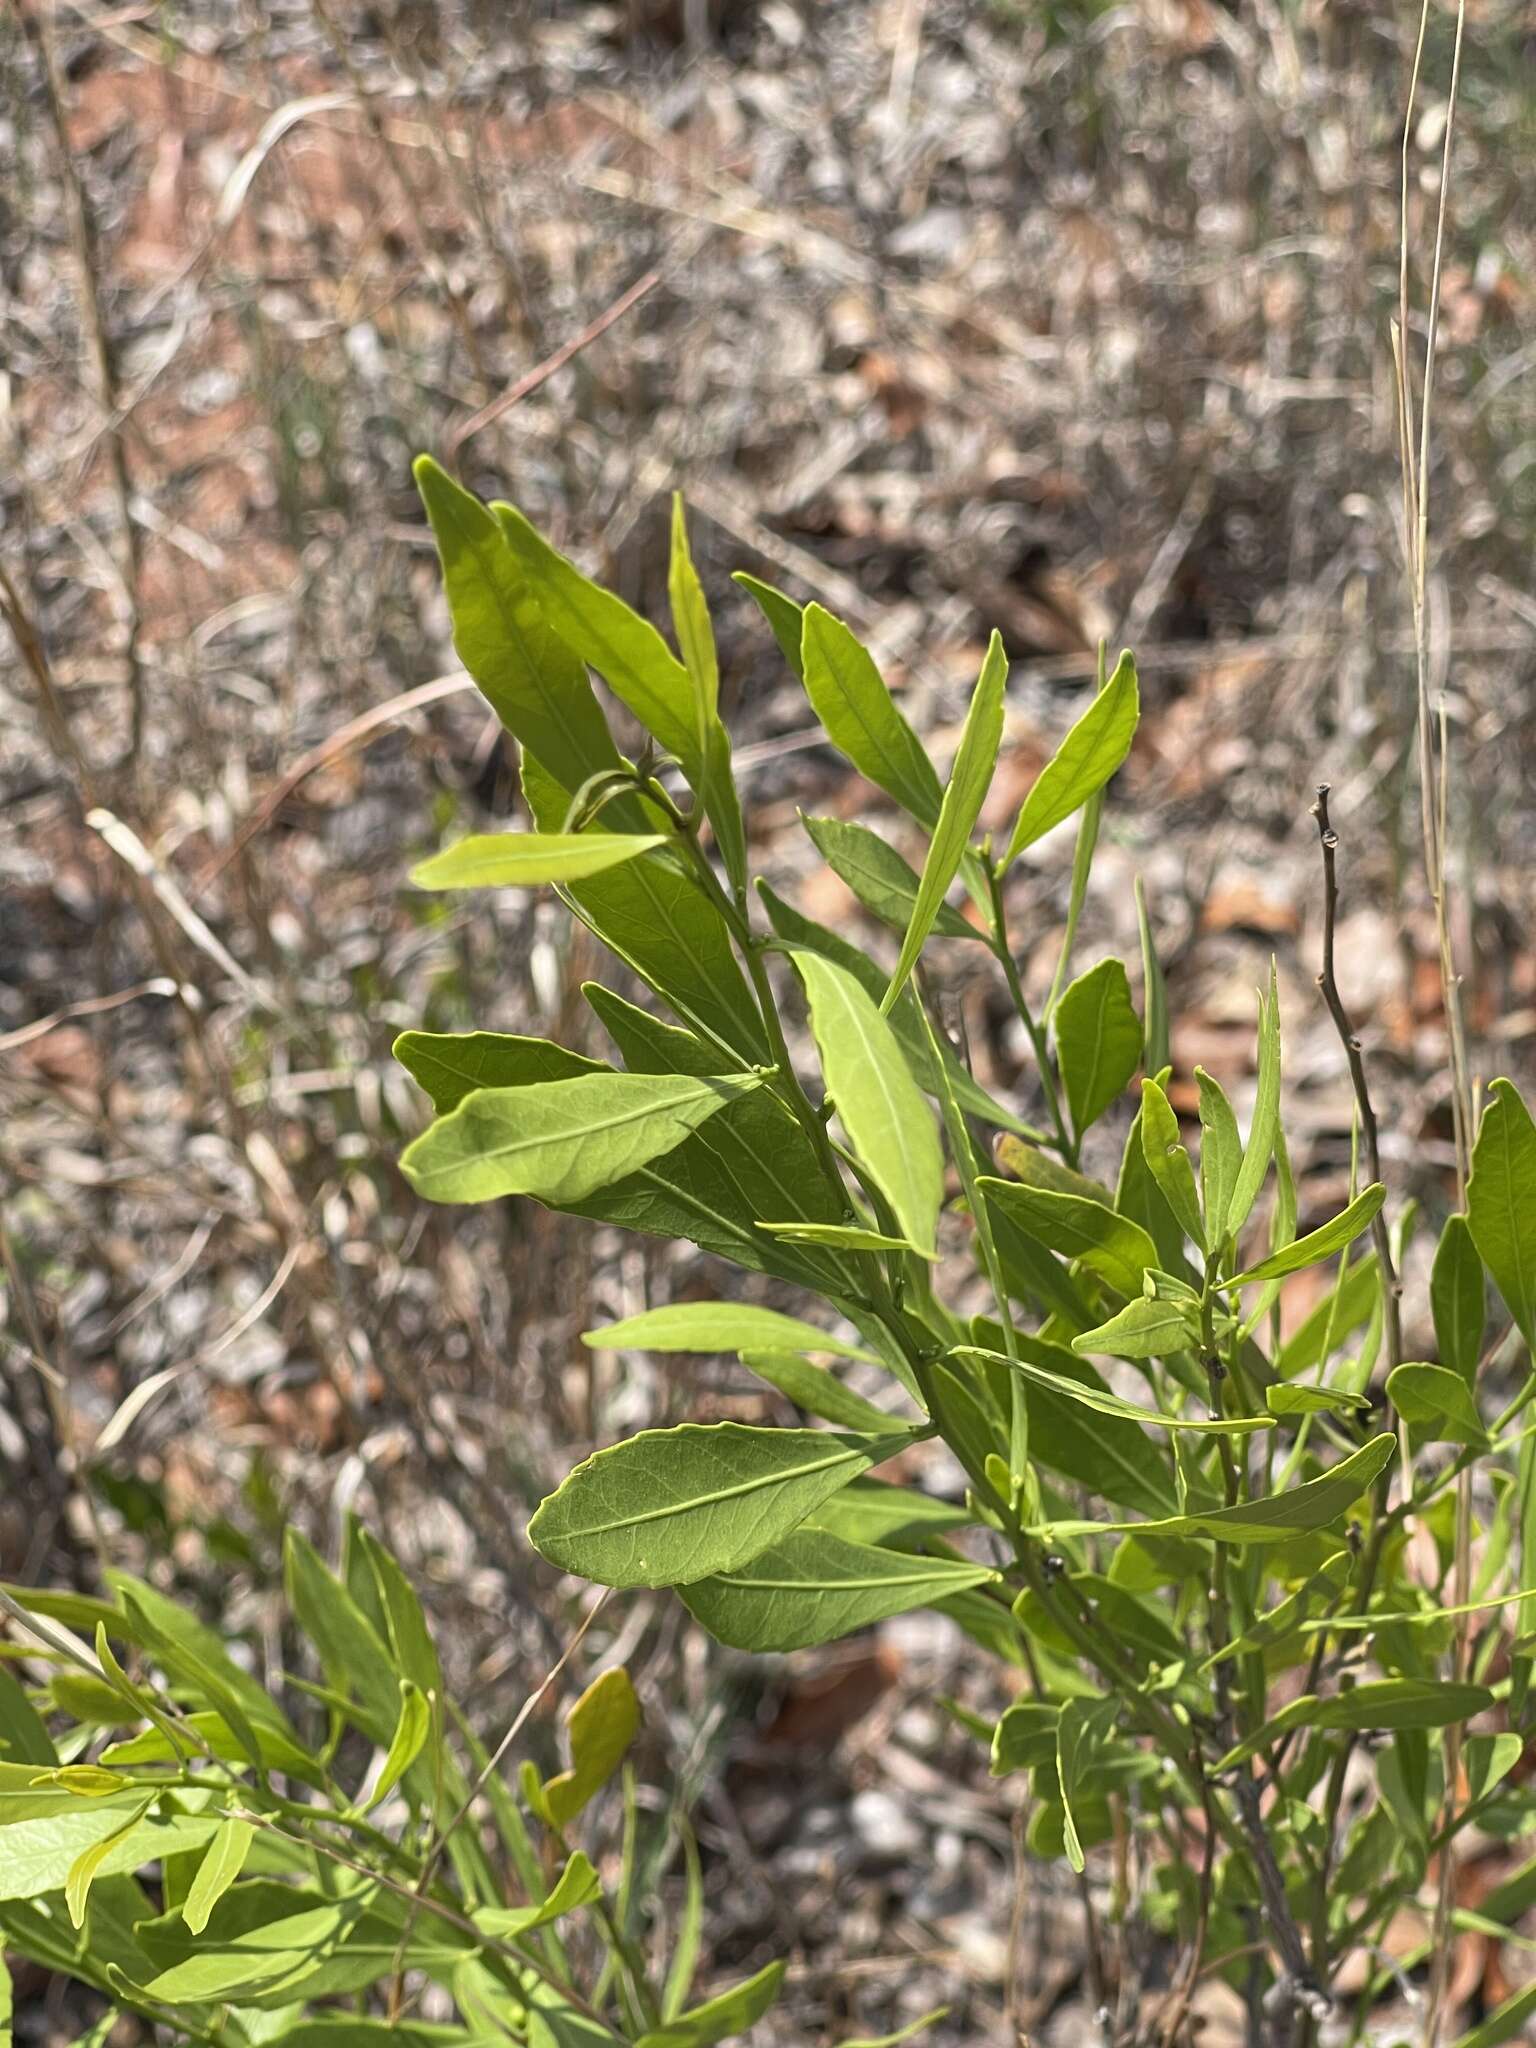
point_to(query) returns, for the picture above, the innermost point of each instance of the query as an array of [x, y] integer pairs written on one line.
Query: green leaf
[[1168, 1162], [1457, 1300], [1276, 1516], [451, 1065], [1506, 2024], [23, 1738], [720, 2018], [639, 667], [1110, 1245], [600, 1728], [577, 1885], [524, 860], [669, 1506], [1284, 1400], [1501, 1202], [906, 2033], [353, 1656], [690, 615], [1437, 1404], [784, 616], [534, 683], [1340, 1312], [83, 1870], [406, 1744], [717, 1326], [1084, 762], [1154, 996], [860, 715], [1377, 1705], [690, 1927], [39, 1854], [1489, 1759], [1143, 1329], [1111, 1457], [409, 1636], [561, 1140], [1025, 1737], [1266, 1111], [872, 1511], [847, 1237], [814, 1587], [1081, 1730], [1106, 1403], [1323, 1586], [1221, 1157], [223, 1860], [814, 1389], [889, 1125], [964, 794], [1098, 1041], [880, 878], [1318, 1244]]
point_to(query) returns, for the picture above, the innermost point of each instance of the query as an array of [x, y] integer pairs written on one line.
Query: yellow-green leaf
[[526, 860]]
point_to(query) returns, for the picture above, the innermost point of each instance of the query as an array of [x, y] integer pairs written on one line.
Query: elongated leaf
[[670, 1506], [1317, 1244], [561, 1140], [1098, 1041], [524, 860], [406, 1744], [1110, 1245], [1142, 1329], [912, 2028], [847, 1237], [717, 1326], [1284, 1400], [860, 716], [1501, 1202], [353, 1654], [1113, 1458], [1376, 1705], [576, 1886], [872, 1511], [690, 615], [1324, 1585], [1106, 1403], [451, 1065], [814, 1587], [1436, 1403], [1266, 1111], [1084, 762], [1081, 1730], [881, 1107], [223, 1861], [964, 795], [600, 1728], [1340, 1312], [1154, 998], [814, 1389], [1276, 1516], [784, 616], [1168, 1162], [1457, 1300], [639, 667], [721, 2018], [879, 877], [39, 1854], [534, 683], [82, 1872], [1221, 1155]]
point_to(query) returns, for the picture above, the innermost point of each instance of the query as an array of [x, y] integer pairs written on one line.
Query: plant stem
[[1000, 947]]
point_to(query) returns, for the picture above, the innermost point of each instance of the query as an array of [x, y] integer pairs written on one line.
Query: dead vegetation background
[[1063, 317]]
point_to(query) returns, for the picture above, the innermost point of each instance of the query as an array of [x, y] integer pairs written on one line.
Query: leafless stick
[[542, 372], [1327, 982]]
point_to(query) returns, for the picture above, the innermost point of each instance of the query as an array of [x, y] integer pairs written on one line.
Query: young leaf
[[83, 1871], [450, 1065], [1106, 1403], [818, 1392], [406, 1744], [524, 860], [847, 1237], [963, 797], [1283, 1400], [1084, 762], [813, 1587], [1266, 1111], [1501, 1202], [561, 1140], [1221, 1155], [1143, 1329], [600, 1729], [1154, 991], [1098, 1041], [1081, 1730], [879, 877], [533, 682], [1437, 1404], [721, 2018], [690, 615], [1110, 1245], [1277, 1516], [577, 1885], [717, 1326], [1318, 1244], [860, 716], [888, 1123], [223, 1860], [784, 616], [1168, 1162], [669, 1506], [1457, 1300]]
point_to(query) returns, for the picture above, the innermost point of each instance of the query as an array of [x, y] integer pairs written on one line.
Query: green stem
[[1065, 1142]]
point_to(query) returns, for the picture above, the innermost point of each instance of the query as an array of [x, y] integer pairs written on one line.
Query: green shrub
[[1183, 1540]]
